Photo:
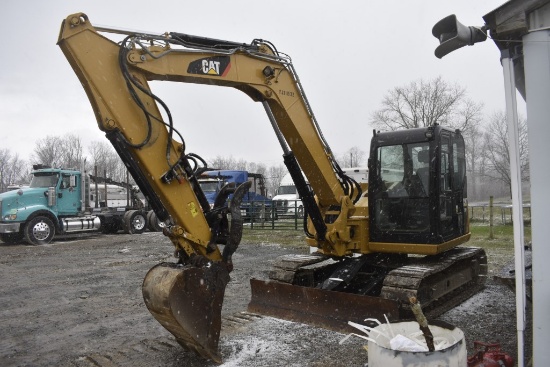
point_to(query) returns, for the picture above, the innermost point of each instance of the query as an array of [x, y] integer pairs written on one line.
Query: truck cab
[[255, 203], [287, 200], [359, 174], [35, 212], [211, 186]]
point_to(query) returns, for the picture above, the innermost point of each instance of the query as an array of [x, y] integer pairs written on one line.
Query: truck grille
[[281, 204]]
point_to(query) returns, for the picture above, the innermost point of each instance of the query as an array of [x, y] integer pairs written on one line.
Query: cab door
[[452, 186], [68, 201], [445, 212], [459, 185]]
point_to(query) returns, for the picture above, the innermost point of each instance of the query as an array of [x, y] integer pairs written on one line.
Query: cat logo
[[215, 66]]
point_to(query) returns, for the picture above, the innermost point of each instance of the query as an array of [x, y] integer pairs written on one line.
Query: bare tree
[[241, 165], [99, 152], [20, 170], [274, 177], [425, 103], [72, 151], [13, 170], [353, 157], [107, 161], [101, 156], [475, 159], [257, 168], [59, 151], [5, 156], [498, 149], [221, 162], [48, 151]]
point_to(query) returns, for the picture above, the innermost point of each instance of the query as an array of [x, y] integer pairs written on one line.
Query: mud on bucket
[[450, 345]]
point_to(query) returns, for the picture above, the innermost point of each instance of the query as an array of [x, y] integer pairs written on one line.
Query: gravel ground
[[77, 302]]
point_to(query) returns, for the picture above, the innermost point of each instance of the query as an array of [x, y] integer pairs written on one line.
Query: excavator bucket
[[187, 301]]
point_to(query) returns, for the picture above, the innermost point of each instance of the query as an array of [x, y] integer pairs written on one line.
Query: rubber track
[[440, 282]]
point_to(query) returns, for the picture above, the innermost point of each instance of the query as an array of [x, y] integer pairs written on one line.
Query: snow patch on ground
[[275, 342], [270, 342]]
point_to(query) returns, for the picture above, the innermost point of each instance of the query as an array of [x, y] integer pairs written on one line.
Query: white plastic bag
[[404, 344]]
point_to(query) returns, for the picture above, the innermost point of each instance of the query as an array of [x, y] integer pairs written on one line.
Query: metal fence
[[502, 212], [267, 215]]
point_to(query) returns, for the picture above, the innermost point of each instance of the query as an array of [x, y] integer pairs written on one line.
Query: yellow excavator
[[374, 247]]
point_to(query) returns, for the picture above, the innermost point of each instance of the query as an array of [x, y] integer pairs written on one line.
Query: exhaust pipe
[[52, 197]]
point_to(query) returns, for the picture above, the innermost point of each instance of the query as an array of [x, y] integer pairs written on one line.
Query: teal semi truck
[[59, 201]]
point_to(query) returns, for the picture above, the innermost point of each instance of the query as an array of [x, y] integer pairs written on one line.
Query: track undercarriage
[[317, 290]]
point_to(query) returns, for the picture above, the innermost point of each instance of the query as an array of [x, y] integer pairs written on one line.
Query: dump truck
[[374, 248]]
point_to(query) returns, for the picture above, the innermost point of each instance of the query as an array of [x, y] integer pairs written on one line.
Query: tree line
[[420, 103], [67, 151]]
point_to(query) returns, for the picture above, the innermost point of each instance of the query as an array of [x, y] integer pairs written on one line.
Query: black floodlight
[[453, 35]]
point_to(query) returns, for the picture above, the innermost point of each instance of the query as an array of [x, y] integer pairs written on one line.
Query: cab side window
[[65, 182]]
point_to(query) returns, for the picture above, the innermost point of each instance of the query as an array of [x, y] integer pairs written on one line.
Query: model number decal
[[286, 93]]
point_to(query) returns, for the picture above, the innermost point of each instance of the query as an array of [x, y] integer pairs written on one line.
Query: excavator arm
[[115, 77]]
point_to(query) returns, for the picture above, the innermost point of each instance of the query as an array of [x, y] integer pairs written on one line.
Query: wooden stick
[[422, 322]]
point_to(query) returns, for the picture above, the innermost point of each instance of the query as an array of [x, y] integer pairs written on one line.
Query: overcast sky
[[348, 55]]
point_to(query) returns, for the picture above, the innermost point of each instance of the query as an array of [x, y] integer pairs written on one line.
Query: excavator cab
[[417, 186]]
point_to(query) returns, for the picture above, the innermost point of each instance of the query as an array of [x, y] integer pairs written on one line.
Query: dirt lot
[[78, 302]]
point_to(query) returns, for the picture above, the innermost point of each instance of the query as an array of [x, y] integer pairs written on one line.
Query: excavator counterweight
[[415, 202]]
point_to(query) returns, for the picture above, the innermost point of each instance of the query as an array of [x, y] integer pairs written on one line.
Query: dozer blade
[[187, 301], [328, 309]]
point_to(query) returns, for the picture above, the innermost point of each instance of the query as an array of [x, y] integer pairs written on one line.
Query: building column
[[536, 48]]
